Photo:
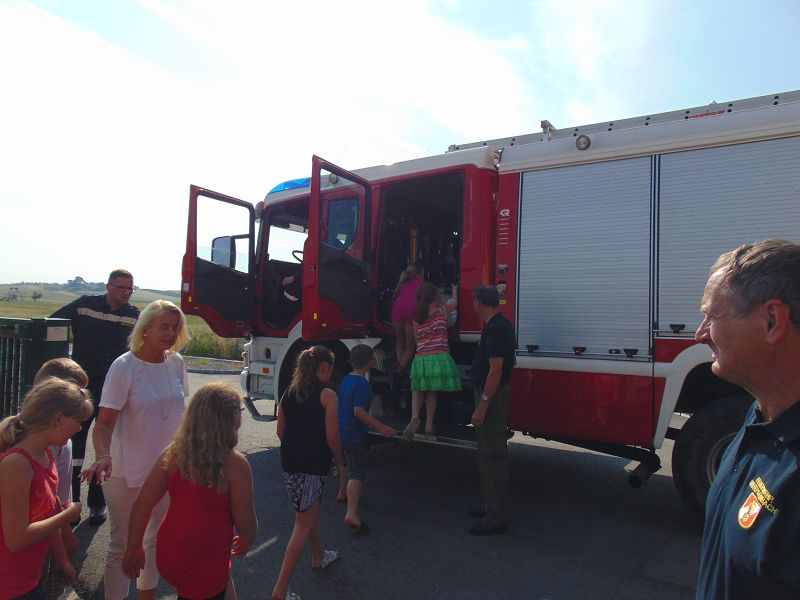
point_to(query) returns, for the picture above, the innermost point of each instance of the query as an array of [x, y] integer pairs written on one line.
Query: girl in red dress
[[31, 516], [211, 514]]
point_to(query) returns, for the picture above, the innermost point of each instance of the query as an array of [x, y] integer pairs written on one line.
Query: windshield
[[288, 230]]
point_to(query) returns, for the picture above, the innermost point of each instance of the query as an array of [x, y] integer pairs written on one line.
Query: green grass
[[29, 309], [203, 342]]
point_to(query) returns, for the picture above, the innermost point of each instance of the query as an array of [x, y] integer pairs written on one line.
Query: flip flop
[[329, 557], [411, 429], [362, 528]]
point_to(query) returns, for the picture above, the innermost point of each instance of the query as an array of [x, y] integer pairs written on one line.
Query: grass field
[[204, 342]]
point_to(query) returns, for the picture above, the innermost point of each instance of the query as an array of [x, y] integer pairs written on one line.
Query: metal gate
[[25, 345]]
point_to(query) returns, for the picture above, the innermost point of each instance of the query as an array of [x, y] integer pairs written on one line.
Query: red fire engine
[[599, 239]]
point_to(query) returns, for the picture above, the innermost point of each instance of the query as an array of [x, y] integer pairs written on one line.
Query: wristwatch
[[484, 397]]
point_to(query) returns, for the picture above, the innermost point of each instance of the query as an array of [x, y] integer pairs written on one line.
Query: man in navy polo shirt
[[751, 543], [100, 329], [492, 364]]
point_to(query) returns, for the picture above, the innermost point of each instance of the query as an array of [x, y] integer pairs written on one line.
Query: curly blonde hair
[[207, 435]]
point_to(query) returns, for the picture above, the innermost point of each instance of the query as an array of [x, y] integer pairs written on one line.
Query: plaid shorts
[[304, 489], [355, 455]]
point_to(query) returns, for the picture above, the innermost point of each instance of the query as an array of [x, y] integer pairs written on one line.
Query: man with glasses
[[100, 329]]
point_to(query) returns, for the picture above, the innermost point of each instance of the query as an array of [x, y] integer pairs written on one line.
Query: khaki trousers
[[120, 499], [493, 456]]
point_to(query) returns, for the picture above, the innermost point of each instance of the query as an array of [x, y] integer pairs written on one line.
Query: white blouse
[[151, 399]]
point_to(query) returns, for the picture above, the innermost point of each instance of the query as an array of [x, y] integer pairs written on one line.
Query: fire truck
[[599, 239]]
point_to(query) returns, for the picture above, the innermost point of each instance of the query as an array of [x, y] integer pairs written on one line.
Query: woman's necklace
[[156, 389], [168, 401]]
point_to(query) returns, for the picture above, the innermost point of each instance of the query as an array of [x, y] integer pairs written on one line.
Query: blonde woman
[[210, 487], [140, 409]]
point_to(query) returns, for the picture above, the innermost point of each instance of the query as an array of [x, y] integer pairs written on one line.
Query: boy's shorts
[[355, 456]]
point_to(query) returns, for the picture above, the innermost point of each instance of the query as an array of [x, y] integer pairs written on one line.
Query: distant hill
[[58, 293]]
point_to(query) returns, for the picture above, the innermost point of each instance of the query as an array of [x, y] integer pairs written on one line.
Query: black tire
[[341, 365], [699, 448]]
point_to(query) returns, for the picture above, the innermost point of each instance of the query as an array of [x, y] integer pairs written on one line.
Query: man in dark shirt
[[752, 325], [100, 329], [491, 373]]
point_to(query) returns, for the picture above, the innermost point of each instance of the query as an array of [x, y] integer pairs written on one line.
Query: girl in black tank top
[[308, 427]]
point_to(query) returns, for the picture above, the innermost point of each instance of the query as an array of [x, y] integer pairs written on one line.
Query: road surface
[[578, 530]]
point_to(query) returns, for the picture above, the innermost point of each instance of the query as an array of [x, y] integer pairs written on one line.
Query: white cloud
[[590, 60]]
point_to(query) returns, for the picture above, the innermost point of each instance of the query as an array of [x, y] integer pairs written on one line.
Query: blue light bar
[[292, 184]]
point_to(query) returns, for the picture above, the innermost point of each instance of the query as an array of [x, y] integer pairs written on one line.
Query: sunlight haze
[[110, 110]]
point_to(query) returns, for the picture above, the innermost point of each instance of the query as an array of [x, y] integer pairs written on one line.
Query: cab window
[[342, 223]]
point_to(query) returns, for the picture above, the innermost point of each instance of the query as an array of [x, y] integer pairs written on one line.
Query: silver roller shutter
[[584, 253], [713, 200]]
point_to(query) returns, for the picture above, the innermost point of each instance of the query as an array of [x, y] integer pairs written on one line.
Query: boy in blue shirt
[[355, 398]]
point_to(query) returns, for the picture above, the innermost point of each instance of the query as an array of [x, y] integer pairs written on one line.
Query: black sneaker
[[476, 511], [97, 516]]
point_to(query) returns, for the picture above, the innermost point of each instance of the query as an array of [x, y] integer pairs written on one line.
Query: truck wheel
[[341, 365], [699, 448], [340, 371]]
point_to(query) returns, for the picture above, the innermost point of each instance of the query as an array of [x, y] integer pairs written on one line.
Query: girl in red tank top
[[31, 516], [211, 514]]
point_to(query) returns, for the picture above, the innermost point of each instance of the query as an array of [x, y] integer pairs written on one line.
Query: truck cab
[[318, 260]]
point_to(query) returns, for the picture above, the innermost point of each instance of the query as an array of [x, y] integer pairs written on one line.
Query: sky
[[110, 110]]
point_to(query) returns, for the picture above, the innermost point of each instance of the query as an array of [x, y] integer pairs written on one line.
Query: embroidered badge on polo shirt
[[759, 498], [749, 512]]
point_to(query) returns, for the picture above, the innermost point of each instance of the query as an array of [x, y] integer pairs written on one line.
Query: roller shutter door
[[713, 200], [584, 257]]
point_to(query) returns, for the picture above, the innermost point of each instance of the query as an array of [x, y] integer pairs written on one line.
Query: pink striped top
[[432, 334]]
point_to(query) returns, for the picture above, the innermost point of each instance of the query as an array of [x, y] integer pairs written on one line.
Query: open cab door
[[219, 262], [337, 268]]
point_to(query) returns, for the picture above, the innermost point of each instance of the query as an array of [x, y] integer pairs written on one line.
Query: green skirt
[[435, 373]]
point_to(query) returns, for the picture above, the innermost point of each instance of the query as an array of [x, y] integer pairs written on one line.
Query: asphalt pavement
[[577, 531]]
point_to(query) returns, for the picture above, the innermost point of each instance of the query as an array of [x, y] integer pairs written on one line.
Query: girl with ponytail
[[31, 516], [308, 427], [433, 369]]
